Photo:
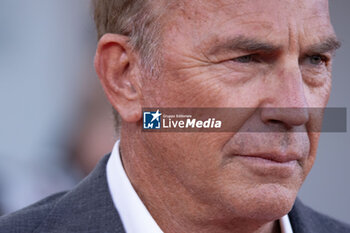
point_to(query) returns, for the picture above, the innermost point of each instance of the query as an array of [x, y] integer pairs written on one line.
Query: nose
[[287, 103]]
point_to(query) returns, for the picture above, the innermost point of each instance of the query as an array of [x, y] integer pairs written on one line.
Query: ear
[[117, 67]]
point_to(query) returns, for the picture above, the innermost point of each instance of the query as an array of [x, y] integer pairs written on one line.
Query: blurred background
[[55, 123]]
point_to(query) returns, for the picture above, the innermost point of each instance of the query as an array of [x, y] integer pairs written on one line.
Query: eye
[[244, 59], [317, 59]]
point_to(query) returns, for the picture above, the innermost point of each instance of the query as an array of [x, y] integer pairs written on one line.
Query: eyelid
[[324, 57], [253, 57]]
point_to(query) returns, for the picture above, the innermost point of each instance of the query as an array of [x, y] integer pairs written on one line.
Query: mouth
[[273, 157], [270, 164]]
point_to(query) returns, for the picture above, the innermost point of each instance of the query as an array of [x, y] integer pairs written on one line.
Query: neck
[[171, 205]]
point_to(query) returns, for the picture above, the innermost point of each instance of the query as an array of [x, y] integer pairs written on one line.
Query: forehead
[[282, 9], [269, 19]]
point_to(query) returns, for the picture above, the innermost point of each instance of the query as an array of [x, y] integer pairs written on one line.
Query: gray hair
[[137, 19]]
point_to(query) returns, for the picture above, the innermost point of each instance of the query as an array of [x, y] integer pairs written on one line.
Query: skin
[[221, 182]]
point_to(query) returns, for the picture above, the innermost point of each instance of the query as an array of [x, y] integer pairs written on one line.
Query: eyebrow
[[245, 44], [329, 45]]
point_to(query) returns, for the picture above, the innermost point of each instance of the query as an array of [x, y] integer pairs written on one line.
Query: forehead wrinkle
[[223, 40], [195, 13], [201, 9], [318, 15]]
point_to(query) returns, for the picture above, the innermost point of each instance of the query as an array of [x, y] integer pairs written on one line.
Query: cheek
[[200, 151], [317, 100], [191, 157], [208, 87], [317, 86], [195, 91], [314, 138]]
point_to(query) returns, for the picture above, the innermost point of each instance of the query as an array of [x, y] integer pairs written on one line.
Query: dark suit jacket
[[88, 208]]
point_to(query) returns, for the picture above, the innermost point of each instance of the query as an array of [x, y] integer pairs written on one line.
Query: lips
[[274, 157]]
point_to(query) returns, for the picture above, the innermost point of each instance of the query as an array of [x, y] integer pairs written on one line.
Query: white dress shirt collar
[[132, 211], [286, 227]]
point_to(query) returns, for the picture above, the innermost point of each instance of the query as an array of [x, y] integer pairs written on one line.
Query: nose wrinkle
[[293, 38]]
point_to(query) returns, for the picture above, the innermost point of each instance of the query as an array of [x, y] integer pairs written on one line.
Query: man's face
[[255, 54]]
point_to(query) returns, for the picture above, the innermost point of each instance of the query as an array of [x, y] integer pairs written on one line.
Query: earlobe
[[118, 71]]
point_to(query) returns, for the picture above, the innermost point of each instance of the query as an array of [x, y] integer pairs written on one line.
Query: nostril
[[275, 121], [278, 126], [285, 116]]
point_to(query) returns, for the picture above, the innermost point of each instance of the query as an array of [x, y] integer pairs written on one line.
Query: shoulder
[[305, 219], [86, 208], [30, 218]]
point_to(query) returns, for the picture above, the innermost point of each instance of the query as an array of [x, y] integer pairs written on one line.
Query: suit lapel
[[305, 220], [87, 208]]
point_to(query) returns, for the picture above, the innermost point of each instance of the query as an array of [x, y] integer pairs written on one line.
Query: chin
[[267, 202]]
